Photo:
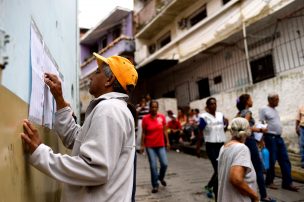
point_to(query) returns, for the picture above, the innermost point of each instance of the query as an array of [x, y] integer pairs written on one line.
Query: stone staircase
[[296, 171]]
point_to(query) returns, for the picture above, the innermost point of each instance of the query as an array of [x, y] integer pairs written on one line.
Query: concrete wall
[[290, 88], [57, 22], [166, 104], [20, 182]]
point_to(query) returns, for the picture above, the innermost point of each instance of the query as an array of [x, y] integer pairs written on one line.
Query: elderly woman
[[237, 178]]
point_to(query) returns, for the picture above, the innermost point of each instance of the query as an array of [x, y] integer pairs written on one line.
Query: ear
[[110, 81]]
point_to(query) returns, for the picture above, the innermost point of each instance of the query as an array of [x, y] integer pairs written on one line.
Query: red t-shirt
[[174, 124], [154, 134]]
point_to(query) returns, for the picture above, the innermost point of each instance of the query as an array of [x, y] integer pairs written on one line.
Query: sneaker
[[291, 188], [209, 192], [154, 190], [272, 186], [267, 199], [163, 182]]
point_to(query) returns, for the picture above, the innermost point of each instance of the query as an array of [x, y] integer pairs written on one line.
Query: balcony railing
[[148, 12]]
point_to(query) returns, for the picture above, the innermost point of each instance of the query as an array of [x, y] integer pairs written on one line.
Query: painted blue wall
[[57, 22]]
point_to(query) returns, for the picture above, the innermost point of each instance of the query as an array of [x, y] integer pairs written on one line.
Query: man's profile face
[[98, 80]]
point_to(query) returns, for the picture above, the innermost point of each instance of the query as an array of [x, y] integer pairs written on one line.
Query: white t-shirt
[[235, 154], [213, 127]]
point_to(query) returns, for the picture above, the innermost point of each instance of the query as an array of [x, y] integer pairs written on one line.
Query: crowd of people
[[102, 164], [209, 128], [181, 128]]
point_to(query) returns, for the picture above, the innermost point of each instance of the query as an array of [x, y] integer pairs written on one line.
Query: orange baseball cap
[[122, 68]]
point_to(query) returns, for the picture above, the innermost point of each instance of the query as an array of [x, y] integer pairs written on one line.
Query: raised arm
[[65, 124], [55, 87]]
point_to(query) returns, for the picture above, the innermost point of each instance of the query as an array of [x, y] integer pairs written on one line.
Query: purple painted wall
[[129, 25], [120, 47], [84, 53]]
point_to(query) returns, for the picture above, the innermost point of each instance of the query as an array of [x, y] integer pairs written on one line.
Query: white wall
[[57, 21], [290, 89]]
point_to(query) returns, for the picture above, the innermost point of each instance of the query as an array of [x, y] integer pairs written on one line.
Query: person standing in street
[[237, 178], [212, 126], [275, 144], [300, 132], [244, 103], [101, 164], [154, 132]]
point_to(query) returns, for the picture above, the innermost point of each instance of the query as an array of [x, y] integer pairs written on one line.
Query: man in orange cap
[[100, 167]]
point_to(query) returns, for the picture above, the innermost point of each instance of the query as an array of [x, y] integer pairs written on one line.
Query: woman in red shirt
[[153, 132]]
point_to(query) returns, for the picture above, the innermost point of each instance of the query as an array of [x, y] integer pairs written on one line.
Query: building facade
[[112, 36], [192, 50]]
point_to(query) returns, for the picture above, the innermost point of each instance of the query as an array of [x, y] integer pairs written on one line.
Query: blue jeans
[[257, 164], [302, 145], [153, 153], [277, 151]]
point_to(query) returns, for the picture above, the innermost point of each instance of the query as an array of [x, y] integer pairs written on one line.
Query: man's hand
[[30, 136], [264, 130], [55, 87]]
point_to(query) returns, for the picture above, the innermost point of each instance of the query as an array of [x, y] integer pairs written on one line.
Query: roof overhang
[[164, 18], [113, 19], [156, 66]]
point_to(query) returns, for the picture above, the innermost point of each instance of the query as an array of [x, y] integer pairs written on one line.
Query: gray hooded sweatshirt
[[100, 167]]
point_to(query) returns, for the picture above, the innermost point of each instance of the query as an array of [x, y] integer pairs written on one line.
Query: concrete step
[[297, 172]]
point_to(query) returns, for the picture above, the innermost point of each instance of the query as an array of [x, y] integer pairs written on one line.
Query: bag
[[265, 157]]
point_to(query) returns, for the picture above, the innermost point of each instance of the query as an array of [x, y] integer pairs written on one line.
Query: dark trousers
[[134, 179], [257, 164], [174, 137], [213, 150], [277, 151]]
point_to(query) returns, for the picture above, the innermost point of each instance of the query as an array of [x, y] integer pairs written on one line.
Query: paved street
[[186, 177]]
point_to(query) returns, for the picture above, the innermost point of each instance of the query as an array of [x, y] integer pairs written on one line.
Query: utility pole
[[247, 54]]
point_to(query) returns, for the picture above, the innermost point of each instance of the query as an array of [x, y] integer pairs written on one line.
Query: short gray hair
[[240, 128], [272, 95], [116, 85]]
